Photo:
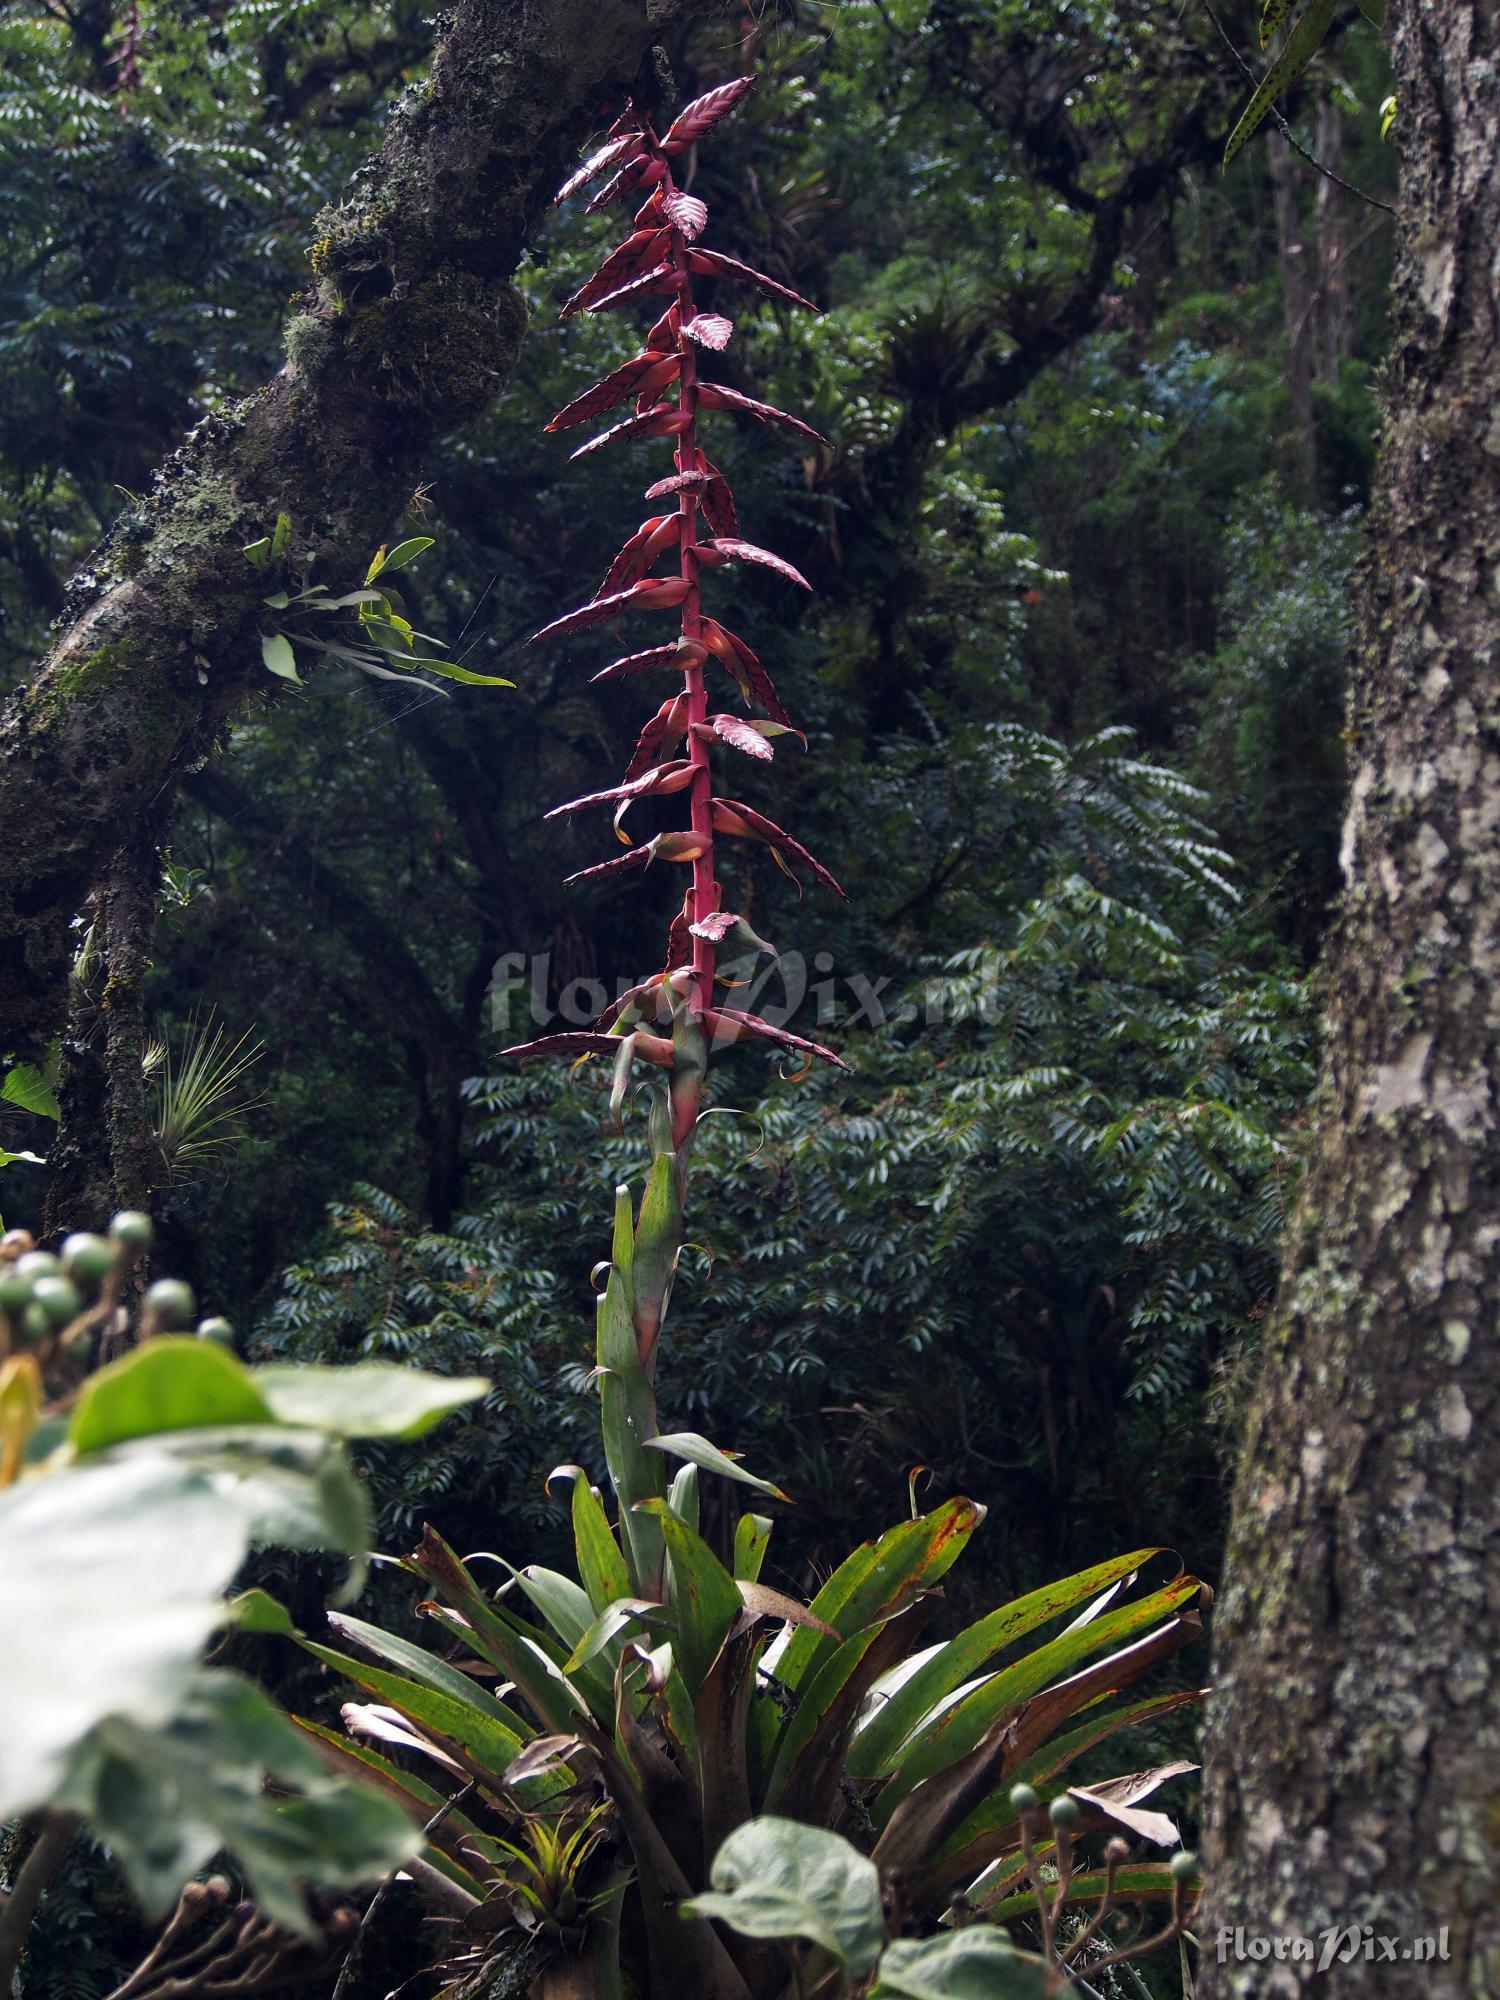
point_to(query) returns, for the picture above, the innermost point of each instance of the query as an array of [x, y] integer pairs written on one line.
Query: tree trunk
[[1354, 1753], [410, 329]]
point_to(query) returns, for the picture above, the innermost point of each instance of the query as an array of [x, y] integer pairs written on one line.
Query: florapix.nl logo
[[786, 989]]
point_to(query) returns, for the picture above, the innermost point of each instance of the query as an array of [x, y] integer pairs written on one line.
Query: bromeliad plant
[[597, 1738]]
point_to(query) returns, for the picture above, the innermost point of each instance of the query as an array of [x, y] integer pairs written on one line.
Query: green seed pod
[[1022, 1799], [171, 1302], [15, 1293], [218, 1330], [132, 1228], [58, 1298], [88, 1260], [36, 1322], [1184, 1866], [38, 1264], [1063, 1812]]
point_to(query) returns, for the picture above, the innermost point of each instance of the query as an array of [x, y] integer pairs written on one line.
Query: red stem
[[702, 899]]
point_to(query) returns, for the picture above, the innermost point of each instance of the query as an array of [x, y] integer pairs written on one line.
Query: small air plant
[[199, 1095], [673, 1020]]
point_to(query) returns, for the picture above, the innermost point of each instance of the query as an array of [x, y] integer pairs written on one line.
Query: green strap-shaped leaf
[[877, 1577], [600, 1563], [1302, 44], [877, 1747], [752, 1537], [698, 1451], [1272, 14], [417, 1664], [1147, 1882], [451, 1718], [701, 1594], [955, 1730], [658, 1237], [521, 1655]]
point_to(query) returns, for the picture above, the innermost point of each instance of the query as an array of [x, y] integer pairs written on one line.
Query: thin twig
[[1286, 131], [351, 1957]]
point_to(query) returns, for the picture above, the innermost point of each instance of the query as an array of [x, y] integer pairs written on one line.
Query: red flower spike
[[748, 552], [686, 213], [576, 1042], [712, 263], [612, 390], [678, 482], [640, 250], [608, 155], [660, 278], [660, 736], [679, 941], [718, 500], [728, 1024], [623, 864], [660, 594], [694, 119], [715, 396], [663, 421], [751, 678], [745, 823], [648, 542], [709, 330], [631, 176], [673, 750], [640, 663], [661, 778]]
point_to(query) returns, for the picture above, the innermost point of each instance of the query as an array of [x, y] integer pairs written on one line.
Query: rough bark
[[1354, 1761], [410, 330]]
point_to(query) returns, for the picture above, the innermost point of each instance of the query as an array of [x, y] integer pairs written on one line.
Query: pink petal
[[660, 278], [686, 213], [660, 421], [642, 248], [576, 1042], [731, 817], [640, 663], [709, 330], [750, 553], [676, 482], [716, 396], [605, 394], [713, 263], [607, 155], [732, 729], [661, 593], [696, 118]]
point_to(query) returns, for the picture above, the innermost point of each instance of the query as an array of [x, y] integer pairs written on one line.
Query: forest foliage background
[[1084, 554]]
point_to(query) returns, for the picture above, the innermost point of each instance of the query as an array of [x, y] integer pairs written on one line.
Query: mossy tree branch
[[410, 329]]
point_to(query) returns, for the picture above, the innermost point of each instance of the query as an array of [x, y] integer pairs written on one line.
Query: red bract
[[673, 1019]]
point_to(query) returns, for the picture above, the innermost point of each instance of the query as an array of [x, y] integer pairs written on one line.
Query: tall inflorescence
[[671, 1022]]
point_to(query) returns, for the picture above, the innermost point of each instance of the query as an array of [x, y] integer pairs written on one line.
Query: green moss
[[446, 346], [75, 680], [309, 342]]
